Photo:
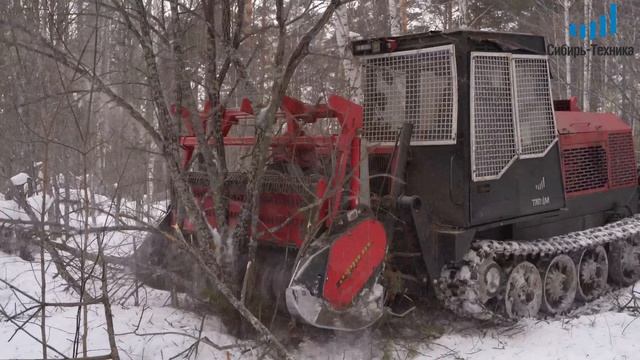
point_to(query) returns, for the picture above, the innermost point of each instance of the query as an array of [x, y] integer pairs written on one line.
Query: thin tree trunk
[[586, 77], [463, 6], [351, 71], [215, 156], [448, 18], [394, 19], [150, 188], [106, 302], [67, 198], [567, 59], [43, 279], [404, 20], [84, 278]]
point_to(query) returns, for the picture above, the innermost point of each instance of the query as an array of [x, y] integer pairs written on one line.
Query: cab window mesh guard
[[418, 86], [511, 111]]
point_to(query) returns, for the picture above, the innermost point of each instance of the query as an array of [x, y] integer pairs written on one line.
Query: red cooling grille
[[585, 168], [621, 160]]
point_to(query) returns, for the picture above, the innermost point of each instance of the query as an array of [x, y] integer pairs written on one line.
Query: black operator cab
[[484, 148]]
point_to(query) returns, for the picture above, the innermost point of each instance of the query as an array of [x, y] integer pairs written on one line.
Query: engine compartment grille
[[622, 161], [585, 168], [417, 86]]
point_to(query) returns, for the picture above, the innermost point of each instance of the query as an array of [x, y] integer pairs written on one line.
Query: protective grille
[[273, 182], [621, 160], [416, 86], [534, 105], [585, 168], [493, 137]]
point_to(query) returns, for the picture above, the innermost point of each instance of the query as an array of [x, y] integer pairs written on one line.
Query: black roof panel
[[465, 40]]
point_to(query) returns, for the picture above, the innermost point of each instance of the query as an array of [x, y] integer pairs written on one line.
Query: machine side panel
[[529, 186], [583, 212]]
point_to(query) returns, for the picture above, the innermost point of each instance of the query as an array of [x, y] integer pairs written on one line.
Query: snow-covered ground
[[155, 330], [10, 210], [153, 316], [595, 331]]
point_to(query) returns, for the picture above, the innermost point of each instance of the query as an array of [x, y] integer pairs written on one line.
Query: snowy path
[[604, 335]]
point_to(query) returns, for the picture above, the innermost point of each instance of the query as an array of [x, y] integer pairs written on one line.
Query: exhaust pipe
[[412, 202]]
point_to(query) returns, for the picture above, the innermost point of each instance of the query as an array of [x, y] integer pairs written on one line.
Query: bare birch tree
[[394, 18], [566, 5], [587, 59], [349, 68]]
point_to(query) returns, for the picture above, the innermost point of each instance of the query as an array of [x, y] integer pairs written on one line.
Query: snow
[[599, 333], [605, 335], [20, 179], [602, 336], [154, 317], [155, 330], [10, 210], [79, 195]]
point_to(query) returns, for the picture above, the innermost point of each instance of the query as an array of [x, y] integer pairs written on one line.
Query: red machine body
[[293, 145], [596, 150], [303, 193]]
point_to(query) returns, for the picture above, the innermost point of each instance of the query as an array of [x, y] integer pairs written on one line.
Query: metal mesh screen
[[417, 86], [511, 111], [534, 105], [622, 161], [493, 138], [585, 169]]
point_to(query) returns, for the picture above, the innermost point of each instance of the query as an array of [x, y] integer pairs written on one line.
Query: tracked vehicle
[[455, 172]]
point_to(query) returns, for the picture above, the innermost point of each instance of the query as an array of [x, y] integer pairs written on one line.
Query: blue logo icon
[[601, 30]]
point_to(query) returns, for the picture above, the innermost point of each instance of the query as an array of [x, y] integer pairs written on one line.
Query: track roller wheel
[[523, 293], [560, 283], [490, 277], [593, 269], [624, 260]]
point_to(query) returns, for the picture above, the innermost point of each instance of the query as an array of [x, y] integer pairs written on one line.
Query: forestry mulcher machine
[[458, 174]]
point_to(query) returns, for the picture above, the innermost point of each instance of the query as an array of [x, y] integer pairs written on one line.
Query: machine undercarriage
[[513, 279]]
